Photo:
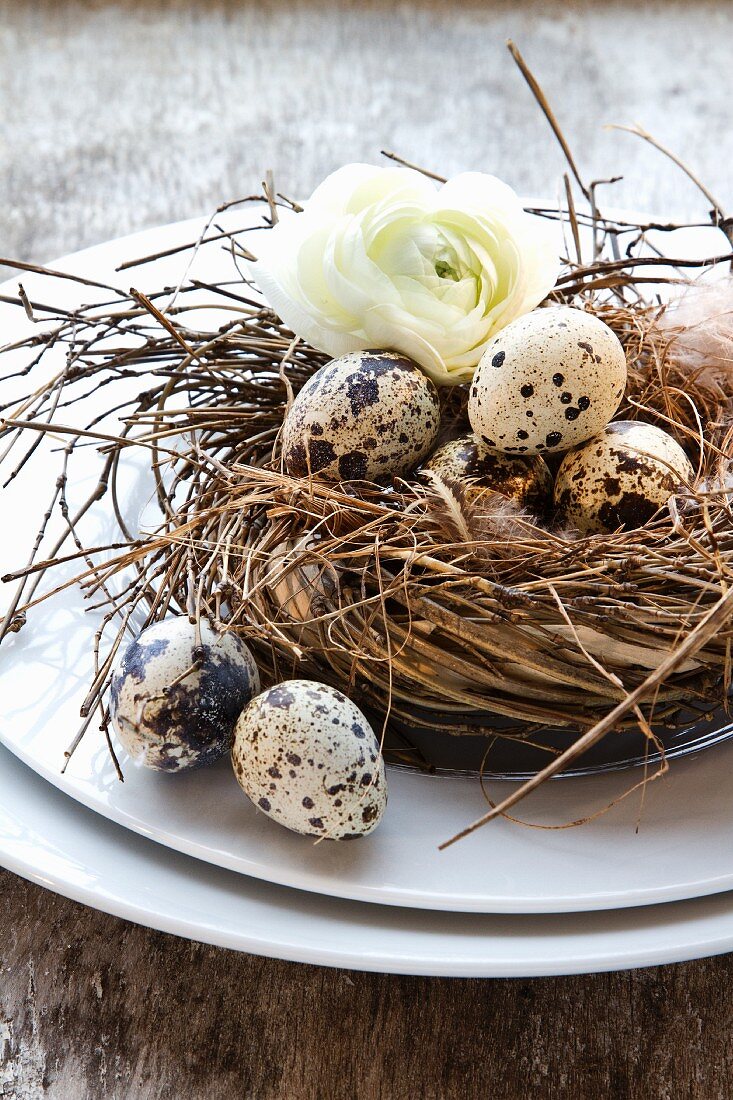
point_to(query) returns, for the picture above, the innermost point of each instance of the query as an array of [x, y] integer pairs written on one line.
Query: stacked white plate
[[188, 853]]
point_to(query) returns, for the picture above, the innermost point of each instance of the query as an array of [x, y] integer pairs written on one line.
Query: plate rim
[[689, 943]]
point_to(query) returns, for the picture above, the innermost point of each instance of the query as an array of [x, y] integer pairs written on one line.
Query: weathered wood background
[[116, 116]]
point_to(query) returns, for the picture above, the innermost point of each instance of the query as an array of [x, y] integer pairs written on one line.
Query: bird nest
[[433, 609]]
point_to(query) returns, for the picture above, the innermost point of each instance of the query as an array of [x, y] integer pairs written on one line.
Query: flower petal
[[383, 257]]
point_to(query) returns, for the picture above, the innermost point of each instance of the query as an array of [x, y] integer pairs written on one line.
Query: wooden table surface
[[117, 116]]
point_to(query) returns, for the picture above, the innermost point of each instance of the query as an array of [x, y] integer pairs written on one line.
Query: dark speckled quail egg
[[175, 697], [620, 478], [366, 416], [306, 755], [546, 382], [470, 463]]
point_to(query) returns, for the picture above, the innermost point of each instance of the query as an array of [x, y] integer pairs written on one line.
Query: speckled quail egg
[[546, 382], [620, 478], [175, 695], [366, 416], [306, 755], [476, 468]]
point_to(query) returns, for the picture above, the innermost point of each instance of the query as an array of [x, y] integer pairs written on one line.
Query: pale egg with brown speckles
[[468, 462], [369, 415], [546, 382], [306, 755], [620, 479]]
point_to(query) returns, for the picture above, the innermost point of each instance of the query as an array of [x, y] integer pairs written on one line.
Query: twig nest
[[548, 381], [468, 462], [620, 478], [306, 755], [176, 694], [366, 416]]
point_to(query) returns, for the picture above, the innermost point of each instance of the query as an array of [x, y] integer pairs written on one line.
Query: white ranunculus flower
[[383, 258]]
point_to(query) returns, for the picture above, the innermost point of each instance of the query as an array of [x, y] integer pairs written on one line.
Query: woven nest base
[[451, 617]]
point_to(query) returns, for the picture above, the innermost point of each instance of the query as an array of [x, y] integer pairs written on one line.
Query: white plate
[[57, 844], [682, 849]]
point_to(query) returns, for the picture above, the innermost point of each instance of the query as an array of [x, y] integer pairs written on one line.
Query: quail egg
[[476, 467], [620, 478], [306, 755], [366, 416], [546, 382], [175, 695]]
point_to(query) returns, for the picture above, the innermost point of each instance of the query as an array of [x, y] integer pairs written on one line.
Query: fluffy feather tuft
[[487, 521], [699, 327]]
